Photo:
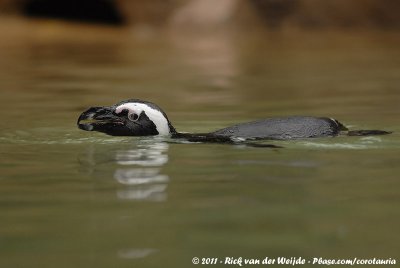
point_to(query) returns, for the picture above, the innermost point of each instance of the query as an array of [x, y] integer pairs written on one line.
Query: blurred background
[[207, 13], [70, 198], [293, 55]]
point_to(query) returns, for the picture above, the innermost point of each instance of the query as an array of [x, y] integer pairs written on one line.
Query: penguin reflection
[[136, 167], [140, 171]]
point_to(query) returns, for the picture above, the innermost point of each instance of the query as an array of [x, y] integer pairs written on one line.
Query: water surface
[[70, 198]]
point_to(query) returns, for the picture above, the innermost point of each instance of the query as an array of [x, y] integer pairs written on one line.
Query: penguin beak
[[99, 119]]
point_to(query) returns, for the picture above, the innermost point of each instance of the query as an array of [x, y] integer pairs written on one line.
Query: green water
[[70, 198]]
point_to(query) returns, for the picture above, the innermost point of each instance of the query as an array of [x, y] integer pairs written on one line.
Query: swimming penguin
[[136, 117]]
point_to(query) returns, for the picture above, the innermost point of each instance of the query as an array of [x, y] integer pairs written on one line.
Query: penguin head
[[127, 118]]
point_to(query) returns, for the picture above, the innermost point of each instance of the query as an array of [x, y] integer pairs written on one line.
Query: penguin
[[136, 117]]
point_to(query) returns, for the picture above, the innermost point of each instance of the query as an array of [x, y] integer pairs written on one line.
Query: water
[[70, 198]]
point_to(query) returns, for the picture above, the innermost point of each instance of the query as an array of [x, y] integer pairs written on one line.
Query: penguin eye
[[133, 117]]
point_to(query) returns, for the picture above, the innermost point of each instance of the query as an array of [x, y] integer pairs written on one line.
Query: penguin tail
[[367, 132]]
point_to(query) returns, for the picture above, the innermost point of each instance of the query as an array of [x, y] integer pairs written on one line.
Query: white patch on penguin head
[[154, 115]]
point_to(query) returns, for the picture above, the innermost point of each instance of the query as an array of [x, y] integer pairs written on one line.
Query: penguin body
[[284, 128], [142, 118]]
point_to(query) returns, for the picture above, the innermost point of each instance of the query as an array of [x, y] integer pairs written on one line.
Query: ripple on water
[[68, 136], [57, 136], [352, 143]]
